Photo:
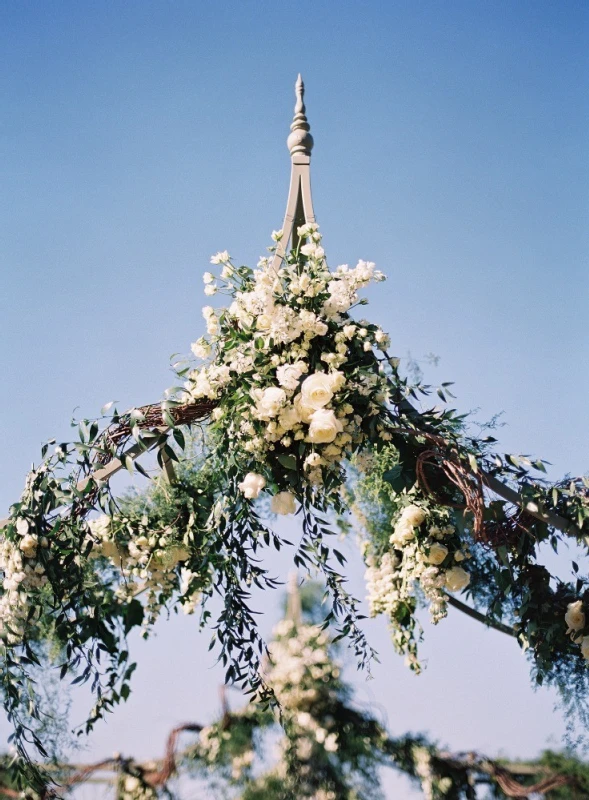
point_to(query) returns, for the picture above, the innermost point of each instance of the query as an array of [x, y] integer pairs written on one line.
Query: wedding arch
[[289, 404]]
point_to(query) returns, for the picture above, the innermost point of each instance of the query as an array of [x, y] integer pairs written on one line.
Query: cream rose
[[437, 553], [413, 515], [28, 544], [317, 390], [338, 380], [403, 533], [264, 322], [324, 427], [305, 411], [269, 402], [252, 485], [313, 460], [575, 616], [174, 556], [585, 647], [456, 579], [283, 503]]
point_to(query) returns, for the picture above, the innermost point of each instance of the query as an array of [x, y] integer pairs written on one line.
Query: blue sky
[[137, 138]]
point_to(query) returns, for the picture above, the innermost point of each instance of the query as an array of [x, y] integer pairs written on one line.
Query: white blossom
[[252, 485], [283, 503]]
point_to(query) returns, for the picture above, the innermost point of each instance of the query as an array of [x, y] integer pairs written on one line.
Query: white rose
[[264, 322], [317, 390], [211, 289], [456, 579], [324, 427], [437, 553], [288, 375], [28, 544], [338, 380], [575, 616], [304, 410], [283, 503], [585, 647], [311, 250], [22, 527], [269, 402], [208, 277], [252, 485], [413, 515], [289, 417], [402, 534]]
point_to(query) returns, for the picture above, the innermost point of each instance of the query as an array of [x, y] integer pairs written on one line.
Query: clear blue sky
[[137, 138]]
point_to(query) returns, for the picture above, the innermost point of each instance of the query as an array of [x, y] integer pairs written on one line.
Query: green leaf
[[287, 461], [179, 437], [393, 474], [168, 418], [133, 615]]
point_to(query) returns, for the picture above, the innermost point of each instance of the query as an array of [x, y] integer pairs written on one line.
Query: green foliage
[[294, 390]]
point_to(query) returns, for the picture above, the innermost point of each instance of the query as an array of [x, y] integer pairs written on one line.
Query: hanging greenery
[[305, 407], [325, 746]]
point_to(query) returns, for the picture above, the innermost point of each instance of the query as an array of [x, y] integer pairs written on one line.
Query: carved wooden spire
[[299, 206], [300, 140]]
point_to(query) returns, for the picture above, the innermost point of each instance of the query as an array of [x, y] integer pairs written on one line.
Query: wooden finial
[[293, 606], [300, 140]]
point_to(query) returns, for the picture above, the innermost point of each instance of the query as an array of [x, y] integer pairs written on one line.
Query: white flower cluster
[[23, 575], [575, 620], [215, 744], [304, 677], [284, 363], [132, 788], [300, 663], [425, 559], [431, 785], [147, 561]]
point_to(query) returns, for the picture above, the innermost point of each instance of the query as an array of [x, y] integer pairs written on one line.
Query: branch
[[152, 414], [502, 489], [471, 612], [503, 775]]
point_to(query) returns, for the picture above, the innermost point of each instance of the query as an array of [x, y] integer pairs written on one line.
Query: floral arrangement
[[306, 413], [297, 385]]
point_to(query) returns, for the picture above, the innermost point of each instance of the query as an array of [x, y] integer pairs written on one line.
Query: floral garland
[[307, 410], [419, 550], [328, 747]]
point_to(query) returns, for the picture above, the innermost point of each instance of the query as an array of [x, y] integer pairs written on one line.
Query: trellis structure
[[105, 452], [156, 420]]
